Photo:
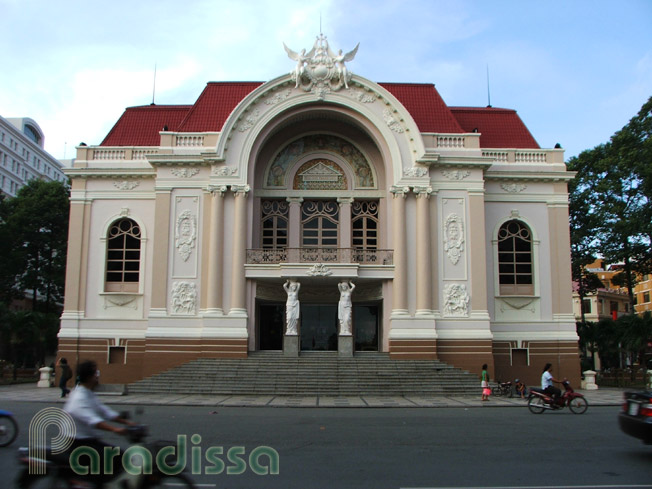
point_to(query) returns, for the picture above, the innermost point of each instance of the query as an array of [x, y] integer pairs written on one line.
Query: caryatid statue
[[345, 307], [292, 307]]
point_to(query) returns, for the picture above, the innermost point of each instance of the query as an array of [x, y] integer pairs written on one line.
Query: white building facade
[[450, 225], [22, 156]]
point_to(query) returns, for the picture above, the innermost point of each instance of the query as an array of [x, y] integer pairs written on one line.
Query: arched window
[[274, 224], [320, 224], [123, 256], [364, 224], [515, 262]]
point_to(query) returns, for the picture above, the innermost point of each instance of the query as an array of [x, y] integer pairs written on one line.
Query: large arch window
[[515, 260], [123, 256]]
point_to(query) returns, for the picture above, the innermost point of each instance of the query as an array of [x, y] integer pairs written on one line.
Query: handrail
[[320, 255]]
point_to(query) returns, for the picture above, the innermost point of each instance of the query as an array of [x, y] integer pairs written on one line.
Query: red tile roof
[[215, 104], [498, 128], [425, 105], [140, 126]]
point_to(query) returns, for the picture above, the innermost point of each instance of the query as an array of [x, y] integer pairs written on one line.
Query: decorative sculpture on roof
[[320, 70]]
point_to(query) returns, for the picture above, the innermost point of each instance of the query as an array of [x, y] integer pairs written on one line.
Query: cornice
[[554, 176], [123, 173]]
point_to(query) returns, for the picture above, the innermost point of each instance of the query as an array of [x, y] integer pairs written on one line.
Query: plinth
[[345, 346], [291, 345]]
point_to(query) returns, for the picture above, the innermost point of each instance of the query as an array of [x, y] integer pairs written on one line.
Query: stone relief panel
[[184, 172], [184, 298], [453, 235], [185, 238], [456, 300], [185, 234]]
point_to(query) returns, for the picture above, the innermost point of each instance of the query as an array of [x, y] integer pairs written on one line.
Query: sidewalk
[[607, 396]]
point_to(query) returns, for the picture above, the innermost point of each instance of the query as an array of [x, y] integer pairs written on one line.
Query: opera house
[[319, 211]]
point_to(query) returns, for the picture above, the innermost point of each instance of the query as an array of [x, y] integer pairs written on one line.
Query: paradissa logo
[[139, 459], [169, 459]]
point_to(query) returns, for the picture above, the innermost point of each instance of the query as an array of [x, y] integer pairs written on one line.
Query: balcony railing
[[320, 255]]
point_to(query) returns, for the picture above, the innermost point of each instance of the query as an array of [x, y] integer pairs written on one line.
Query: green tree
[[36, 229]]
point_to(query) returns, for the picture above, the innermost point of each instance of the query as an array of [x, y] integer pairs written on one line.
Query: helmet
[[517, 380]]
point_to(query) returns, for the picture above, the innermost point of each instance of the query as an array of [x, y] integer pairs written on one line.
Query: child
[[520, 388], [486, 390]]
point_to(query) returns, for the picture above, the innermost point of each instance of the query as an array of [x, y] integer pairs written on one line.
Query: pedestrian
[[486, 391], [520, 388], [546, 382], [66, 375]]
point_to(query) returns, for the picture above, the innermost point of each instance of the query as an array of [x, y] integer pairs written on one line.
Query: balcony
[[273, 256]]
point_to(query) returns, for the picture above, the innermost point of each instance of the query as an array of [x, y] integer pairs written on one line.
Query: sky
[[576, 71]]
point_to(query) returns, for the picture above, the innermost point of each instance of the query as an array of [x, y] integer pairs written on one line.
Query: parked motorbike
[[502, 389], [538, 401], [59, 474], [8, 428]]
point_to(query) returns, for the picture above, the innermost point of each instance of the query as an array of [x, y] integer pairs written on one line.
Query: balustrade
[[319, 255]]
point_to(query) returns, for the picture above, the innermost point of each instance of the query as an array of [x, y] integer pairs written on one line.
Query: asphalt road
[[396, 448]]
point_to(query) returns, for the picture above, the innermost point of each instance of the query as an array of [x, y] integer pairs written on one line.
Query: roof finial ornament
[[321, 71]]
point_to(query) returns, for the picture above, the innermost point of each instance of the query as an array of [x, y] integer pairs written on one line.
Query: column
[[294, 222], [424, 273], [238, 282], [479, 300], [161, 248], [400, 292], [215, 253], [345, 226]]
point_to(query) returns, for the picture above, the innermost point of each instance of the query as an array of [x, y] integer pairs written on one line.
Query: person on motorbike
[[90, 414], [546, 383]]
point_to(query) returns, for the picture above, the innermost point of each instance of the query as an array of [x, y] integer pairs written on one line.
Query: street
[[394, 448]]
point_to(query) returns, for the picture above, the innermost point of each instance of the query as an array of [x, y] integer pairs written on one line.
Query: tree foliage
[[33, 244], [611, 202], [35, 227]]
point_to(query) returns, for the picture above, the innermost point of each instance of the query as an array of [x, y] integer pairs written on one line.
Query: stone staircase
[[312, 373]]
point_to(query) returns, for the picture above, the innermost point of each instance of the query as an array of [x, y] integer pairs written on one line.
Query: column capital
[[294, 200], [423, 191], [242, 190], [217, 190], [399, 191], [344, 200]]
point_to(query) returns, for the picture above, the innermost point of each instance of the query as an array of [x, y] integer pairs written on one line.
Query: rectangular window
[[646, 297], [586, 306]]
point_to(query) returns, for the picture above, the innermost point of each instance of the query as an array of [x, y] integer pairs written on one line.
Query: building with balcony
[[190, 225], [22, 156]]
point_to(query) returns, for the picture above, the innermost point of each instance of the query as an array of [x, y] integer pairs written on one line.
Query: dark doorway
[[318, 329], [365, 327], [271, 319]]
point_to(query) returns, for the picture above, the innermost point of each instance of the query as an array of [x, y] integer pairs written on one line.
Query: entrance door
[[318, 327], [365, 327], [271, 319]]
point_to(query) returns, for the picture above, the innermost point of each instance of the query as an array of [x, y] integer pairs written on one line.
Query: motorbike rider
[[89, 413], [546, 383]]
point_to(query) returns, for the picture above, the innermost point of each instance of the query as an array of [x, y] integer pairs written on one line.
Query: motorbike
[[538, 401], [502, 389], [8, 428], [59, 474]]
